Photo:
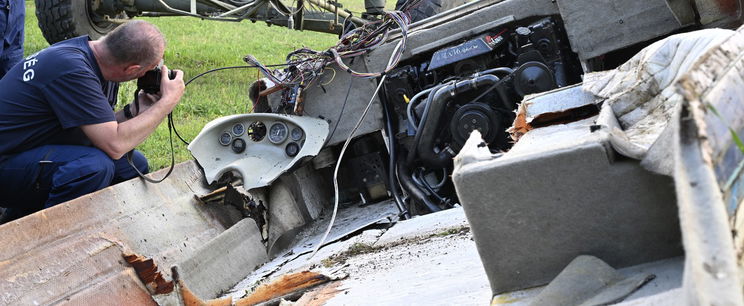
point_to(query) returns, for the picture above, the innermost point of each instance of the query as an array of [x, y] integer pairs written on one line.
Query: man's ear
[[132, 69]]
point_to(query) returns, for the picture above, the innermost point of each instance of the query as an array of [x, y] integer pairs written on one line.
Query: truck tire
[[64, 19], [428, 8]]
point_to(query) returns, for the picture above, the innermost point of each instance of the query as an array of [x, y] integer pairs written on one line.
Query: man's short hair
[[135, 43]]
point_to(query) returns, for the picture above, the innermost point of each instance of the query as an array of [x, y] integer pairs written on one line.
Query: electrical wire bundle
[[306, 65]]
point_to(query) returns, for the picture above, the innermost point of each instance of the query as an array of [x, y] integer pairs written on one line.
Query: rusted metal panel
[[50, 255]]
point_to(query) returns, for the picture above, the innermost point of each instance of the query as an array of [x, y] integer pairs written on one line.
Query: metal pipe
[[328, 7], [238, 9], [222, 4], [504, 70], [172, 6]]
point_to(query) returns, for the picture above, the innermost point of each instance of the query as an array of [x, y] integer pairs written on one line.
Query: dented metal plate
[[259, 147]]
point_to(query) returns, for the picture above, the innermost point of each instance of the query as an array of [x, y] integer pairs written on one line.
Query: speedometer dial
[[278, 133]]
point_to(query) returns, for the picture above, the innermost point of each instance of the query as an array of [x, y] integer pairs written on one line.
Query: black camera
[[150, 82]]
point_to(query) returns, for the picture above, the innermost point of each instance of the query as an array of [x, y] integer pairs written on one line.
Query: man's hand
[[145, 100], [171, 90]]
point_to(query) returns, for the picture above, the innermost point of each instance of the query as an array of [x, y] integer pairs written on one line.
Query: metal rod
[[182, 12], [329, 7], [239, 8], [223, 4]]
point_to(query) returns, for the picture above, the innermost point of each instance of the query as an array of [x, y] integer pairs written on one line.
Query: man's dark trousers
[[48, 175], [12, 13]]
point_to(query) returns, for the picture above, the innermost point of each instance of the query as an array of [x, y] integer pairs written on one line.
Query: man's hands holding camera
[[160, 86]]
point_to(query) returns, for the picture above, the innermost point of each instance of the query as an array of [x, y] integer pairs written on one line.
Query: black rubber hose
[[417, 138], [392, 161], [425, 184], [426, 135], [406, 180]]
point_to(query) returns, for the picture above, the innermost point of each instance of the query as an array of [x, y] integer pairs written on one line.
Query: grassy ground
[[195, 46]]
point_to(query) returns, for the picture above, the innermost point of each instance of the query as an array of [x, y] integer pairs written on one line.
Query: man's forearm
[[134, 131], [116, 139], [120, 116]]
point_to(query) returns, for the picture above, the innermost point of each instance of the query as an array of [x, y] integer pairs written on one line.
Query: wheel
[[428, 8], [64, 19]]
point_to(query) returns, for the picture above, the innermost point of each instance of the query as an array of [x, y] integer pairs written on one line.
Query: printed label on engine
[[460, 52]]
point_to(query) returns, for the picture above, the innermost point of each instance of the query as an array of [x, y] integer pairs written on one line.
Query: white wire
[[343, 150]]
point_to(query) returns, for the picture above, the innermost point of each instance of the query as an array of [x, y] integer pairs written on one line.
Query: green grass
[[195, 46]]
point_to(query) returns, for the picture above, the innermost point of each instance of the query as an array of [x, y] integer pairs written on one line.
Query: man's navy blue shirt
[[49, 95]]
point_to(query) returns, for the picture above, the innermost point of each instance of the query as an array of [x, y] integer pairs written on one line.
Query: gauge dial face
[[278, 133], [292, 149], [257, 131], [296, 134], [238, 146], [238, 129], [225, 139]]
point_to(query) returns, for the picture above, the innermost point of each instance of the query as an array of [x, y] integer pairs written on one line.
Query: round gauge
[[296, 134], [238, 129], [278, 133], [257, 130], [292, 149], [225, 139], [238, 146]]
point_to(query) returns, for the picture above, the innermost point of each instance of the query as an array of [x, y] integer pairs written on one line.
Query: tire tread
[[55, 19]]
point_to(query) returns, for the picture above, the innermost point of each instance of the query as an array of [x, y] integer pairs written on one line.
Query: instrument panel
[[259, 147]]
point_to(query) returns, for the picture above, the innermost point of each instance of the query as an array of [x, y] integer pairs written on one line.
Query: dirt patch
[[363, 248]]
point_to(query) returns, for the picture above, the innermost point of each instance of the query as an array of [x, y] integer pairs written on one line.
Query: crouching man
[[59, 135]]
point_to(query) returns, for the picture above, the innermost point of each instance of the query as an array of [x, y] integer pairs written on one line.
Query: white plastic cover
[[262, 161]]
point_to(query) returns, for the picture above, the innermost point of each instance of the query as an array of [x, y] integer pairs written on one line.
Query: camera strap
[[130, 154], [136, 101]]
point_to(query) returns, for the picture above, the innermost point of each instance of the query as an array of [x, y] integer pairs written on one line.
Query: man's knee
[[125, 171], [140, 161], [98, 163], [91, 171], [94, 167]]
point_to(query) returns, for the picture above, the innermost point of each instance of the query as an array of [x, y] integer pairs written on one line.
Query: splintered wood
[[148, 273], [287, 286]]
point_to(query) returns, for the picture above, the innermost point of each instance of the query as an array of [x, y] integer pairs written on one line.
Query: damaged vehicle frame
[[464, 70], [63, 19]]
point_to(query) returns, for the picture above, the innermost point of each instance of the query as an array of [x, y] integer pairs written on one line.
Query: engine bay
[[430, 103]]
